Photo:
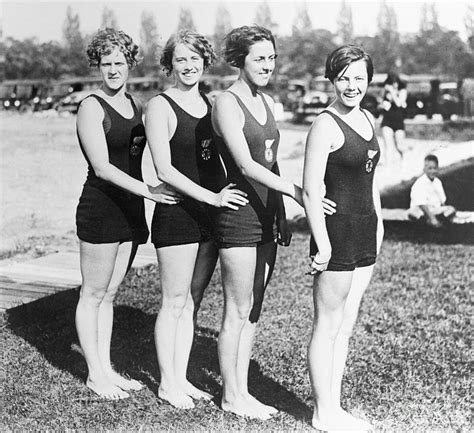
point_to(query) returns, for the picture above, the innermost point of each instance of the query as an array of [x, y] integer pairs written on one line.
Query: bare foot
[[194, 392], [242, 407], [340, 421], [106, 389], [122, 382], [176, 398], [261, 406]]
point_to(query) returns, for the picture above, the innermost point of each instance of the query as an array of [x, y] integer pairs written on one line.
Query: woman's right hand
[[230, 197], [164, 194], [320, 263]]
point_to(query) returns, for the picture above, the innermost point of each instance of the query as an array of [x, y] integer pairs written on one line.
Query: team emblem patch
[[268, 150], [137, 146], [206, 149], [369, 164]]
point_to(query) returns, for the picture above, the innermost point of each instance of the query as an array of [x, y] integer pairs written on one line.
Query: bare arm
[[91, 133], [160, 123], [378, 211], [318, 146], [228, 122]]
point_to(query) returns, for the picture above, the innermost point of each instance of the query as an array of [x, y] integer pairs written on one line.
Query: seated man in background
[[427, 196]]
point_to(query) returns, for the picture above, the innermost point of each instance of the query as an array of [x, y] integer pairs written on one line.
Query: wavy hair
[[194, 41], [106, 40], [239, 40]]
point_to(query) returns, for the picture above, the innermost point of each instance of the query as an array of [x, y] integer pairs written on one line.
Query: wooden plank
[[6, 287], [11, 301]]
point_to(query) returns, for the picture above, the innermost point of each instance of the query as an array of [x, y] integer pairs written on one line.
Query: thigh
[[176, 264], [123, 262], [387, 134], [97, 264], [238, 273], [331, 288], [204, 267], [360, 281]]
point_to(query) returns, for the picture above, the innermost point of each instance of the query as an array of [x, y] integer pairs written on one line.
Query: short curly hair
[[342, 57], [194, 41], [239, 40], [106, 40]]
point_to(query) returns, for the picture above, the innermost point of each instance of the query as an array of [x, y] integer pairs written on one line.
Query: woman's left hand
[[329, 207]]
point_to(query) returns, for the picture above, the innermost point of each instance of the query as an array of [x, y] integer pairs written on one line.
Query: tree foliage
[[386, 49], [222, 26], [263, 17], [345, 25], [74, 44], [149, 45], [185, 20], [109, 19]]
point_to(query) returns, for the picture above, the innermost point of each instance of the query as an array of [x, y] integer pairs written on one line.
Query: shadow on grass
[[48, 325]]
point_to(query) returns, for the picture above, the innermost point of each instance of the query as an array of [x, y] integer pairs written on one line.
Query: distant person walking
[[393, 125], [341, 154], [179, 131], [110, 215], [248, 139]]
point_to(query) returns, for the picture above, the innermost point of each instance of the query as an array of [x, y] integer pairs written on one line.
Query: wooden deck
[[26, 281]]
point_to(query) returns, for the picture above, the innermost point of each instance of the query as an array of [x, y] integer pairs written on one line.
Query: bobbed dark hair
[[393, 78], [342, 57], [239, 40], [432, 158]]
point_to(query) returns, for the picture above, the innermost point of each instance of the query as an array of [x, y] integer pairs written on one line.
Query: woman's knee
[[91, 294], [176, 304]]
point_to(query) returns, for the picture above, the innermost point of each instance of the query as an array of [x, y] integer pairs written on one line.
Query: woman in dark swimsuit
[[179, 132], [341, 155], [248, 138], [110, 215]]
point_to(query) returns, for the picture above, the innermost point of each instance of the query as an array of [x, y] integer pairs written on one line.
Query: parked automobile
[[20, 94], [71, 101]]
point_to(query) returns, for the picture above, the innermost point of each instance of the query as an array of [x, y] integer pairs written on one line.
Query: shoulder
[[225, 102], [325, 131], [159, 103], [90, 106]]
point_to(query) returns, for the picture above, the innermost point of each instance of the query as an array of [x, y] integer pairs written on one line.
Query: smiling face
[[114, 70], [351, 84], [259, 63], [187, 65], [431, 169]]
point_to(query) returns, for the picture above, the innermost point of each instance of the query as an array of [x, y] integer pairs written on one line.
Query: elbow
[[245, 168], [164, 174], [102, 172], [309, 195]]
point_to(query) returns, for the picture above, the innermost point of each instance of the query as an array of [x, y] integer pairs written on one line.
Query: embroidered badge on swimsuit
[[206, 149], [268, 150], [137, 145], [369, 164]]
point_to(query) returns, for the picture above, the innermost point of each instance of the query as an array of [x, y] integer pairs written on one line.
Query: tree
[[149, 44], [386, 52], [345, 24], [185, 20], [263, 17], [305, 51], [469, 25], [221, 28], [109, 19], [429, 18], [74, 45]]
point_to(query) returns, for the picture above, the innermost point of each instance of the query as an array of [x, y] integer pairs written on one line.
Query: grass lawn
[[408, 366]]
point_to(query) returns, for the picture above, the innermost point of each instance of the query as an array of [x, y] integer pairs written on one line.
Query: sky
[[44, 19]]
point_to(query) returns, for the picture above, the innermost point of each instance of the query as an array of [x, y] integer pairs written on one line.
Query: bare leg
[[238, 268], [266, 255], [360, 281], [97, 266], [203, 270], [400, 142], [176, 272], [330, 293], [126, 253], [389, 145]]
